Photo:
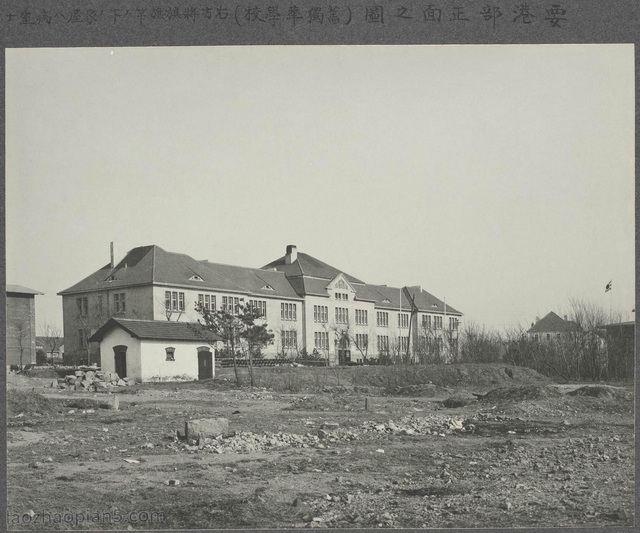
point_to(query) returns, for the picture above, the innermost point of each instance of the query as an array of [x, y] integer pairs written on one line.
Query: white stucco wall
[[185, 365], [117, 337]]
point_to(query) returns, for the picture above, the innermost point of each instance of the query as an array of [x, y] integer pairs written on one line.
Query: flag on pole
[[608, 287]]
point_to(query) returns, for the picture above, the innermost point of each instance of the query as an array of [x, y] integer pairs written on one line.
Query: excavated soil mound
[[28, 402], [599, 391], [521, 393]]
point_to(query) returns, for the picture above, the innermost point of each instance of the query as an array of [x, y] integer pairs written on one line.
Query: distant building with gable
[[551, 328]]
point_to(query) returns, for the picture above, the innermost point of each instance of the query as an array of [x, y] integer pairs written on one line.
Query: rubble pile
[[413, 425], [92, 381]]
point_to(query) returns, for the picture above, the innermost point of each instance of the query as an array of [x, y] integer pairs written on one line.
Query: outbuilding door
[[120, 356], [205, 363]]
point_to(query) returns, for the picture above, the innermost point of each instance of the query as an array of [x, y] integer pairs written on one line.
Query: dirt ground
[[518, 455]]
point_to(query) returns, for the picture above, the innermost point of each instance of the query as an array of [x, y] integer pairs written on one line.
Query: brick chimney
[[292, 254]]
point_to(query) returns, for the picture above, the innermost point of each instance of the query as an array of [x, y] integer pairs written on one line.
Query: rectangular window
[[404, 344], [362, 341], [231, 305], [382, 319], [362, 318], [383, 344], [437, 322], [453, 324], [342, 315], [170, 353], [320, 313], [288, 311], [403, 320], [167, 300], [181, 301], [119, 305], [426, 321], [321, 340], [260, 306], [83, 306], [289, 339]]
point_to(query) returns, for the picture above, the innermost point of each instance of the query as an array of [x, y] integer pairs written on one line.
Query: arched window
[[170, 353]]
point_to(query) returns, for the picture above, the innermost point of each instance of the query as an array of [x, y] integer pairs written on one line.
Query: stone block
[[206, 428]]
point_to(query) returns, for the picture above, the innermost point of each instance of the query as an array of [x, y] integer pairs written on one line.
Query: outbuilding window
[[170, 353]]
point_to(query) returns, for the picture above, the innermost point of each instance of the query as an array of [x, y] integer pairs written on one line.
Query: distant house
[[153, 350], [551, 328], [620, 343], [52, 347], [21, 325]]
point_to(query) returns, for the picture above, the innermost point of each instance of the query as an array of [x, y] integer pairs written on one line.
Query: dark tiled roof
[[151, 264], [157, 330], [308, 266], [552, 323], [19, 289]]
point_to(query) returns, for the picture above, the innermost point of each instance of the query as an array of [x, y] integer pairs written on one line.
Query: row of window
[[341, 296], [231, 304], [119, 304], [320, 313], [289, 339], [207, 302], [288, 311], [173, 301], [361, 317], [321, 340], [362, 341], [342, 315]]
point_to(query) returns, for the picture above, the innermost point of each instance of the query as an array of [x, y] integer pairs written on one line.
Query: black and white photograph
[[336, 287]]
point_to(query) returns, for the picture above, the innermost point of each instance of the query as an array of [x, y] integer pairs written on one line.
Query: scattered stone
[[173, 482], [132, 461]]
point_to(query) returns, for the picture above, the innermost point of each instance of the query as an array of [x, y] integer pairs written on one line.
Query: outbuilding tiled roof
[[552, 323], [157, 330]]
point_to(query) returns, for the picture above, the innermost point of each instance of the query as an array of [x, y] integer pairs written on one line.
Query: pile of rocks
[[412, 425], [92, 381]]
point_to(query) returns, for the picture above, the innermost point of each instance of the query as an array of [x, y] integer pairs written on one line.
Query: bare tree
[[52, 339]]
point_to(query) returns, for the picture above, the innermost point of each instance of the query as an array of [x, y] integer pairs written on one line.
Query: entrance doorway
[[205, 363], [344, 351], [120, 356]]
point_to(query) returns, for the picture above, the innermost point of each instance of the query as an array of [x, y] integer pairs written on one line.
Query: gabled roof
[[19, 289], [147, 265], [157, 330], [552, 323], [306, 265]]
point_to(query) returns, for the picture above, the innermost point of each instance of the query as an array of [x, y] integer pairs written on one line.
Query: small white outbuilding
[[153, 350]]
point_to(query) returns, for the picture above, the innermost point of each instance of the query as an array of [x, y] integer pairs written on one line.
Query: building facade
[[313, 309], [21, 325]]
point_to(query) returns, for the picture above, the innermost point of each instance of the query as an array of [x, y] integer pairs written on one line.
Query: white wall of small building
[[155, 366], [119, 337]]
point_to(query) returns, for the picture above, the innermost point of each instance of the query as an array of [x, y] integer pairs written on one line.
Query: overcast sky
[[499, 177]]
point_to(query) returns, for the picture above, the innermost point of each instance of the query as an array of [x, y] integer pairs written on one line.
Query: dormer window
[[267, 288], [195, 277]]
